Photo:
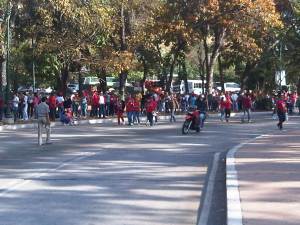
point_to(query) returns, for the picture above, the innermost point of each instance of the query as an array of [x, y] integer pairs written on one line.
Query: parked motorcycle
[[191, 121]]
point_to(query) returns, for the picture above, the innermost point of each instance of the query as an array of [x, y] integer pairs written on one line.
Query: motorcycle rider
[[201, 104]]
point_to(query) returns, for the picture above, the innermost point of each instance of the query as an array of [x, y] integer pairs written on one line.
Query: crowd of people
[[98, 104]]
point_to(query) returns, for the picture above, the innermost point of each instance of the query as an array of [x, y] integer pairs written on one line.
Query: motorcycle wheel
[[186, 127]]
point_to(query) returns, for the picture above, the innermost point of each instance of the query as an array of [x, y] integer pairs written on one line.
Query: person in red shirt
[[130, 110], [222, 108], [281, 111], [246, 103], [227, 106], [52, 106], [136, 110], [150, 109], [95, 104]]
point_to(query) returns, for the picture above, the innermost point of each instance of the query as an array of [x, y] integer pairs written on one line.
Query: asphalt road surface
[[110, 175]]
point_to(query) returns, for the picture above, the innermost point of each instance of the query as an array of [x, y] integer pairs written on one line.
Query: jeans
[[130, 118], [136, 117], [15, 112], [84, 109], [172, 115], [248, 114], [102, 110]]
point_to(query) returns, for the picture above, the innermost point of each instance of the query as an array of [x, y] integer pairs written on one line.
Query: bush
[[264, 104]]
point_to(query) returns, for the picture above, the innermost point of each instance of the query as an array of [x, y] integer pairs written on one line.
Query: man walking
[[281, 111], [43, 120], [246, 107]]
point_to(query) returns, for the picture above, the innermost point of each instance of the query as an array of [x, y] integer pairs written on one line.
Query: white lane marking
[[204, 215], [234, 209]]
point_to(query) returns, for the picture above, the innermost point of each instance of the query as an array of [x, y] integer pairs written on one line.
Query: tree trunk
[[64, 78], [246, 74], [123, 79], [172, 68], [185, 76], [221, 71], [123, 75], [212, 56], [1, 77], [145, 74]]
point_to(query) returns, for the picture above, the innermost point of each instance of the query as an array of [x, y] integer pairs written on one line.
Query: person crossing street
[[43, 121]]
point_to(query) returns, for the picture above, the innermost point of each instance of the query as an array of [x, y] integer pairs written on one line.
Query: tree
[[231, 24]]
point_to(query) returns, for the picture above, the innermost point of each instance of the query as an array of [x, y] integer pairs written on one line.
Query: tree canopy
[[152, 38]]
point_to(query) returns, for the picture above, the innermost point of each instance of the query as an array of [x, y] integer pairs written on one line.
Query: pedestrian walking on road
[[247, 103], [228, 105], [150, 109], [43, 121], [281, 112]]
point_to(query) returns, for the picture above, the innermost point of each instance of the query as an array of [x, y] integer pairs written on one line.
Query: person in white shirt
[[15, 106], [60, 104], [234, 98], [102, 105], [43, 120], [25, 107]]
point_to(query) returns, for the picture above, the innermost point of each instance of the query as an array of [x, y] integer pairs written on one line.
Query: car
[[73, 87]]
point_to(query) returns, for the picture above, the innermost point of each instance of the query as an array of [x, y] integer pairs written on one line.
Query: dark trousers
[[150, 118], [227, 113], [52, 114], [1, 113]]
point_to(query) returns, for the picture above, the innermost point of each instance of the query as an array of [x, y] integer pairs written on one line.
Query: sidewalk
[[268, 173]]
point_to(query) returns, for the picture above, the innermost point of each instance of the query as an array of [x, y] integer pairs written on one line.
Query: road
[[110, 175]]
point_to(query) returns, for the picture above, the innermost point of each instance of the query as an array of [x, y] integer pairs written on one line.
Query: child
[[67, 117]]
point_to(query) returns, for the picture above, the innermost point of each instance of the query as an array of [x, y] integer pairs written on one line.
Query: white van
[[195, 86], [229, 87], [91, 80]]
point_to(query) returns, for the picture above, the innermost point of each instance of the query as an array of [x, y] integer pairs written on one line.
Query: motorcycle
[[191, 122]]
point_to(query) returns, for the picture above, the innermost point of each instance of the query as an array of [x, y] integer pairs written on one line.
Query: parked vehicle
[[195, 86], [73, 87], [90, 81], [229, 87]]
